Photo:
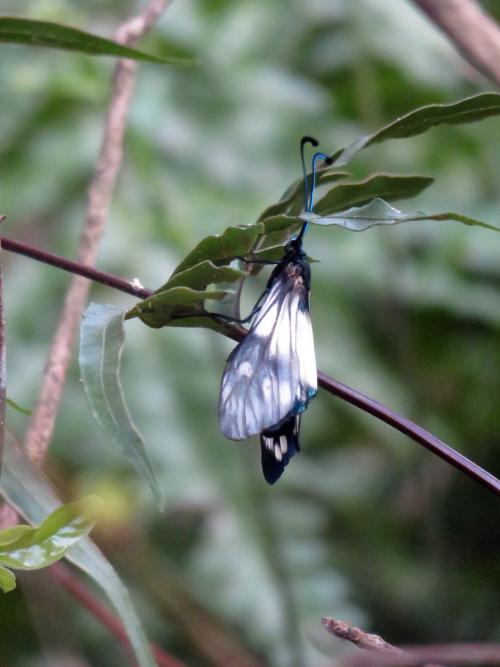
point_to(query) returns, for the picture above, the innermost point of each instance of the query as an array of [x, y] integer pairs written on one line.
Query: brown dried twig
[[100, 192], [382, 654], [380, 649], [475, 34], [344, 630]]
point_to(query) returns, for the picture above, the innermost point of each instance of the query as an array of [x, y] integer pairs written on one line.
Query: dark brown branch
[[475, 34], [89, 272], [412, 430], [69, 581], [346, 393]]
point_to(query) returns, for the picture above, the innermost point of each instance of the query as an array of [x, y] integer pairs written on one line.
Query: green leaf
[[15, 30], [468, 110], [379, 212], [200, 275], [15, 406], [7, 580], [222, 248], [183, 296], [292, 201], [26, 548], [26, 489], [10, 535], [101, 346], [278, 224], [160, 309], [379, 185]]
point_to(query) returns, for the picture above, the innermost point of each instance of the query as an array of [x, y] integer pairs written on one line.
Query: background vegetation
[[364, 525]]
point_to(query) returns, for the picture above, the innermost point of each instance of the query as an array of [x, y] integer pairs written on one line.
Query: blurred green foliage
[[23, 547], [364, 525]]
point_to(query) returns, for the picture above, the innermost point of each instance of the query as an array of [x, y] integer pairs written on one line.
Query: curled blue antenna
[[316, 157], [309, 193]]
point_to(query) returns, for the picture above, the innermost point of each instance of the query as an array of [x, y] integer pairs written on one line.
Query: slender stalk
[[99, 197], [334, 387], [412, 430], [75, 267]]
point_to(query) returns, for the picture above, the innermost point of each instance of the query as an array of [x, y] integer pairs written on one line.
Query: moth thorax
[[294, 270]]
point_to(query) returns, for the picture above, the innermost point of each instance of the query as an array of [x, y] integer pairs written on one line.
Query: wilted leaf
[[468, 110], [27, 548], [160, 309], [26, 489], [379, 185], [379, 212], [15, 30], [101, 346], [222, 248]]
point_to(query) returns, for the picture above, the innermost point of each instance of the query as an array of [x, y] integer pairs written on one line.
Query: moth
[[270, 377]]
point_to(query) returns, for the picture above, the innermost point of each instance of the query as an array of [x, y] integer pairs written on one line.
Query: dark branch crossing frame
[[334, 387]]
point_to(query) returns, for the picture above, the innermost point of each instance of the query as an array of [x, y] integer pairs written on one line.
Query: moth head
[[294, 245]]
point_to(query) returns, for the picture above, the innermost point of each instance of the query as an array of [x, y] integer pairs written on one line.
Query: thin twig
[[344, 630], [412, 430], [89, 272], [382, 654], [70, 582], [342, 391], [473, 32], [438, 654], [100, 192]]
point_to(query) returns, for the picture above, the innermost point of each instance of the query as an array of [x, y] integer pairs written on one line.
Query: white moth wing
[[272, 373]]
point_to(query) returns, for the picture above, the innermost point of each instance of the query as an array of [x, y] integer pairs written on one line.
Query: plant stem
[[99, 197], [76, 268], [412, 430]]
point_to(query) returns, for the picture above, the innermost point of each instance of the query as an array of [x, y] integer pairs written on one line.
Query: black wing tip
[[274, 454]]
